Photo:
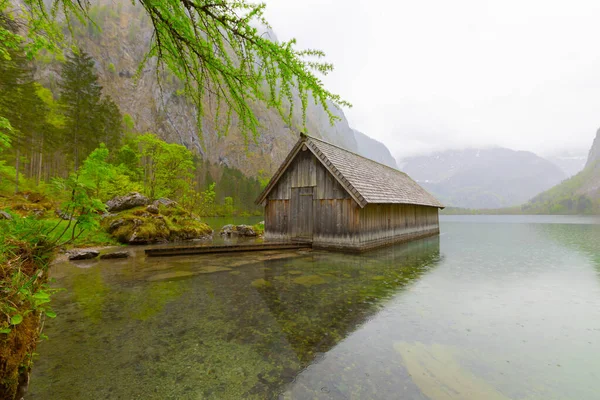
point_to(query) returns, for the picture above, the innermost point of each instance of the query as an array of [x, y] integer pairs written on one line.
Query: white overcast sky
[[435, 74]]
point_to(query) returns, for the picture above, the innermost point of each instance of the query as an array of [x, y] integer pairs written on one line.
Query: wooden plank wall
[[277, 220], [390, 223], [337, 223], [300, 173]]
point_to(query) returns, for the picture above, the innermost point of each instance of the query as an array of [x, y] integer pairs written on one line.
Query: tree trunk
[[17, 166]]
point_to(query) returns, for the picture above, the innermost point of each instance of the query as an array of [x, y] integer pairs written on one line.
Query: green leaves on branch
[[217, 50]]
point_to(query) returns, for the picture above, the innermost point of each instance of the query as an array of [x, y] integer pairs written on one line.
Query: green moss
[[138, 226], [171, 275], [260, 283], [212, 269], [309, 280]]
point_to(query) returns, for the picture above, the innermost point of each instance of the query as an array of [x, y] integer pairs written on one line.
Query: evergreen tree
[[20, 104], [110, 122], [80, 95]]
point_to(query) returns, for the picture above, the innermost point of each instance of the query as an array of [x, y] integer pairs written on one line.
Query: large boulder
[[82, 254], [121, 203], [141, 225], [238, 230]]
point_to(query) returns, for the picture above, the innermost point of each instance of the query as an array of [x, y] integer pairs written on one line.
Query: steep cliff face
[[594, 154], [483, 178], [373, 149], [118, 45]]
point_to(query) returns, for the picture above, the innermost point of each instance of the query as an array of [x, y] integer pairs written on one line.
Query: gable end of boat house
[[337, 199]]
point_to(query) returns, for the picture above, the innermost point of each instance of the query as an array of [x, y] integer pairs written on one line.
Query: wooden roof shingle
[[367, 181]]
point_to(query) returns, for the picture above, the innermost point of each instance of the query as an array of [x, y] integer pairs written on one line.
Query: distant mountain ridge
[[579, 194], [483, 178]]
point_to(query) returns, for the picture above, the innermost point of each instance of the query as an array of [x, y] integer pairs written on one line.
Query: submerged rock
[[82, 254], [121, 203], [237, 230], [114, 255]]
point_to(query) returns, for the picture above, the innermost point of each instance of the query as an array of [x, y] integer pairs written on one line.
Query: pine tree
[[80, 95], [20, 104], [110, 123]]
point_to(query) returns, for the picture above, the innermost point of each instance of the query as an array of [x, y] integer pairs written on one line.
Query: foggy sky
[[435, 74]]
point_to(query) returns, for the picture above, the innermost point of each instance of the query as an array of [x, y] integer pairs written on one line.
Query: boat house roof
[[367, 181]]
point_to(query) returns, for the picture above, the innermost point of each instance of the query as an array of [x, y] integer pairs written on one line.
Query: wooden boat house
[[340, 200]]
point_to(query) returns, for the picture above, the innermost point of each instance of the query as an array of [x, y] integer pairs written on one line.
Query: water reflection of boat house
[[337, 199]]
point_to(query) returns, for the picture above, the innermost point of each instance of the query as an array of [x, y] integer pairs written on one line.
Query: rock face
[[121, 203], [373, 149], [155, 224], [115, 255], [82, 254], [161, 109], [238, 230], [594, 155]]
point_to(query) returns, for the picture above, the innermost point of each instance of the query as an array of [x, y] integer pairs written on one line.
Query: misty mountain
[[483, 178], [579, 194], [571, 162], [373, 149]]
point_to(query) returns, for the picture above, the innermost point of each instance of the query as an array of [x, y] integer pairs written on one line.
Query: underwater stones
[[82, 254], [309, 280], [115, 255], [126, 202], [237, 230], [170, 276], [5, 215], [260, 283]]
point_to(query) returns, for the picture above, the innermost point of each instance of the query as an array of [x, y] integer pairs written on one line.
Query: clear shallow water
[[496, 309]]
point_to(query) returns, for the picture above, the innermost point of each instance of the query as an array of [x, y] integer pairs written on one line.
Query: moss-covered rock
[[138, 226], [27, 204]]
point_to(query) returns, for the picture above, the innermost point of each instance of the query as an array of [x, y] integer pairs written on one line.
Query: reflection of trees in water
[[585, 238], [328, 295], [241, 333]]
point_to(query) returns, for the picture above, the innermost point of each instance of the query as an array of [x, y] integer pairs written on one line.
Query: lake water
[[494, 308]]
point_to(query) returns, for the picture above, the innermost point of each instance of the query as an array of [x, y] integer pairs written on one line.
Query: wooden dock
[[192, 250]]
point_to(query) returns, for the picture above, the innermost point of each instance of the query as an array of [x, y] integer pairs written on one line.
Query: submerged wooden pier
[[238, 248]]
